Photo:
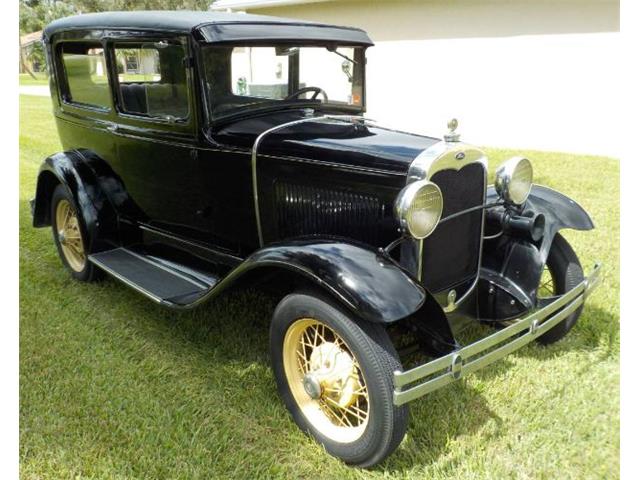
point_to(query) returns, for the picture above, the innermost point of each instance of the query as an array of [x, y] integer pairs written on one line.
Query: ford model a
[[203, 149]]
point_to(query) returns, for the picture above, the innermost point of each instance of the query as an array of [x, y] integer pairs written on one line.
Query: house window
[[86, 75], [131, 64], [152, 79]]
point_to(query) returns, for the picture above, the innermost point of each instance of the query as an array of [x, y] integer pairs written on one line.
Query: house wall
[[528, 74]]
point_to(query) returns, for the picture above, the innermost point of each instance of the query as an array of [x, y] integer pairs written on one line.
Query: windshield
[[245, 78]]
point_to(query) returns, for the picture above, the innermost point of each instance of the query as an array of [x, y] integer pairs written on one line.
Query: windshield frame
[[212, 119]]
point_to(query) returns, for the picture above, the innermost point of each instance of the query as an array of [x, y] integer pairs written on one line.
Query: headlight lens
[[419, 207], [514, 179]]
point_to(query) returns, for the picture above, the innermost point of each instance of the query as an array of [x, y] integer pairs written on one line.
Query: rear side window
[[86, 75], [152, 79]]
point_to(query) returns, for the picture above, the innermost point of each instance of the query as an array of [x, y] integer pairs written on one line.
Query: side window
[[86, 74], [152, 79]]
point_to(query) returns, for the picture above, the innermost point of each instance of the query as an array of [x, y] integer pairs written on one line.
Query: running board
[[162, 281]]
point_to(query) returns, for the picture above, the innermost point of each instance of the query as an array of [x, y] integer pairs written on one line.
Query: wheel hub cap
[[335, 371], [312, 386]]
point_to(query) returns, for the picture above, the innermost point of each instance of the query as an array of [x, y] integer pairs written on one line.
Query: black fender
[[512, 267], [559, 211], [365, 282], [83, 174]]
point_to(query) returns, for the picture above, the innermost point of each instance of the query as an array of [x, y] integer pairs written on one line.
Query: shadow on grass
[[438, 419], [231, 334], [210, 335]]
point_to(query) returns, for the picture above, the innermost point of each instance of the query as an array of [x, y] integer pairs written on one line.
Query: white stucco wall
[[516, 73]]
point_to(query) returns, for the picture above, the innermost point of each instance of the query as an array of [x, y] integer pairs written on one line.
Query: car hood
[[336, 141]]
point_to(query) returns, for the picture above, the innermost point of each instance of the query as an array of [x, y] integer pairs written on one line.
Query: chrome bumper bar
[[455, 365]]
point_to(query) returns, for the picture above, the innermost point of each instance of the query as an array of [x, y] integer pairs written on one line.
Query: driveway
[[39, 90]]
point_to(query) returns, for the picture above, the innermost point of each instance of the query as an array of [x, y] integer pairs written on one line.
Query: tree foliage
[[35, 14]]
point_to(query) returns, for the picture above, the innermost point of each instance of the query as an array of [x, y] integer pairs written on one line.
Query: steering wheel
[[318, 91]]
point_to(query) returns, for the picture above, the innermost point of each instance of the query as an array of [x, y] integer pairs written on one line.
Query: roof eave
[[257, 4]]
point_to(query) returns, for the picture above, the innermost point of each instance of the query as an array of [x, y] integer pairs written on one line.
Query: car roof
[[212, 27]]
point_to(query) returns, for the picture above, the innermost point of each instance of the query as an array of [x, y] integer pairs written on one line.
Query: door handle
[[112, 127]]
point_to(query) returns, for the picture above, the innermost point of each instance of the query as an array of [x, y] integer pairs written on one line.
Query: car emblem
[[460, 156]]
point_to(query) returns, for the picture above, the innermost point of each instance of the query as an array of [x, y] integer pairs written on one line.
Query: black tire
[[566, 273], [85, 271], [377, 358]]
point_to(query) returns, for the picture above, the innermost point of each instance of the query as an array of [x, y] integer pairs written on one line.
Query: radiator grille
[[312, 210], [450, 255]]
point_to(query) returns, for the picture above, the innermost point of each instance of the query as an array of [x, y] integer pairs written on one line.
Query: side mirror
[[346, 68]]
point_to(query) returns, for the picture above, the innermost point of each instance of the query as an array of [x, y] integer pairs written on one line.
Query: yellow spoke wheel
[[546, 287], [326, 380], [334, 372], [67, 229]]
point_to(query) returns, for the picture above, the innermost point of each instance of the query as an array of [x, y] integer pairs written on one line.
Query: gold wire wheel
[[546, 287], [326, 380], [69, 236]]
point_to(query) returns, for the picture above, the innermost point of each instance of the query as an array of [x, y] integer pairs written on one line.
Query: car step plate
[[155, 280]]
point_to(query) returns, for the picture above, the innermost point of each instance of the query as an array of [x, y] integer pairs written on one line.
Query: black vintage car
[[205, 150]]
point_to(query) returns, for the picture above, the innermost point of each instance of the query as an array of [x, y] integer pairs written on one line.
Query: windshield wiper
[[334, 50]]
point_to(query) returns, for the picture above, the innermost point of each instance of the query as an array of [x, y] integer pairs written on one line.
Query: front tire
[[562, 273], [334, 373], [68, 235]]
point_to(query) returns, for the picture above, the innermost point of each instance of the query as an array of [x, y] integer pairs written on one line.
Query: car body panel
[[187, 186]]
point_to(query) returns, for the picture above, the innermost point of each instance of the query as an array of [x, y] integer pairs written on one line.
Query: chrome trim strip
[[420, 256], [446, 369], [352, 168], [254, 157], [443, 156]]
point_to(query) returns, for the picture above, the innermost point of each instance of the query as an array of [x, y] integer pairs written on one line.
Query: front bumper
[[426, 378]]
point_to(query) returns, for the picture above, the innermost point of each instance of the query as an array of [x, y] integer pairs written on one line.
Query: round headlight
[[514, 179], [419, 207]]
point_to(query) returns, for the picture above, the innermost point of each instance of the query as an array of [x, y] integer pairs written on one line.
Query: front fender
[[559, 211], [366, 283], [371, 286], [512, 267]]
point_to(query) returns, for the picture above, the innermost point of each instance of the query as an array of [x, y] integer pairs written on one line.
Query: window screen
[[86, 74], [152, 79]]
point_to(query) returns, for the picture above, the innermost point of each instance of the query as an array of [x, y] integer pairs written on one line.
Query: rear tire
[[564, 273], [68, 230], [334, 373]]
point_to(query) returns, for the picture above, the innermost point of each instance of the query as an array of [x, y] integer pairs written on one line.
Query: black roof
[[213, 27]]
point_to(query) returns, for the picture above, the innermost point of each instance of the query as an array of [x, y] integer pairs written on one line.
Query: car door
[[155, 129]]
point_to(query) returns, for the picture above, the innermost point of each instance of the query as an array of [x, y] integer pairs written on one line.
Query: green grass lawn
[[113, 386], [26, 79]]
